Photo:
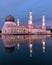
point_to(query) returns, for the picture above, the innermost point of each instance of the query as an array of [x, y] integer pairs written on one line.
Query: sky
[[21, 8]]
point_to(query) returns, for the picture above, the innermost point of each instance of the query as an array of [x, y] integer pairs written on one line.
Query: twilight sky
[[21, 8]]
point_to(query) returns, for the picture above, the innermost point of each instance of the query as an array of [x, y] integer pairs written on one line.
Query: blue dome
[[9, 18]]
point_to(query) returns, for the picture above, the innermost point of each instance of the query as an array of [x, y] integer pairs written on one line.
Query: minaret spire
[[43, 23], [18, 22], [30, 18]]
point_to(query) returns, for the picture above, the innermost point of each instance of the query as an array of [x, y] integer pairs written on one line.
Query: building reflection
[[18, 45], [30, 46], [11, 41], [30, 43], [9, 44], [44, 44], [9, 49]]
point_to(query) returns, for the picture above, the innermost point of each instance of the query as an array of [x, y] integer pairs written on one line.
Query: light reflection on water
[[29, 44], [13, 40]]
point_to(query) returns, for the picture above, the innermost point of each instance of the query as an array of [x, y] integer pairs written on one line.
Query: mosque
[[10, 27]]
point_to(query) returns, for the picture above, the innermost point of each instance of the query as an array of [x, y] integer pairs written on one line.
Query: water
[[25, 50]]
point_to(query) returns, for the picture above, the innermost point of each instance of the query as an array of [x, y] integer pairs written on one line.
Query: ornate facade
[[11, 28]]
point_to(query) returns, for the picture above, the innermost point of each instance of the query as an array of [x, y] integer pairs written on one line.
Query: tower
[[30, 25], [43, 23], [30, 18], [18, 22]]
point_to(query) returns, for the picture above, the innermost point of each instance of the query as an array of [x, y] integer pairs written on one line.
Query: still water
[[25, 50]]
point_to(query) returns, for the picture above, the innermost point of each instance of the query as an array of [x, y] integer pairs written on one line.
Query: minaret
[[30, 25], [43, 23], [30, 18], [18, 22]]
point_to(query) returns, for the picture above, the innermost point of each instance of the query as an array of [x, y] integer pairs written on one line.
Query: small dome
[[9, 18]]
